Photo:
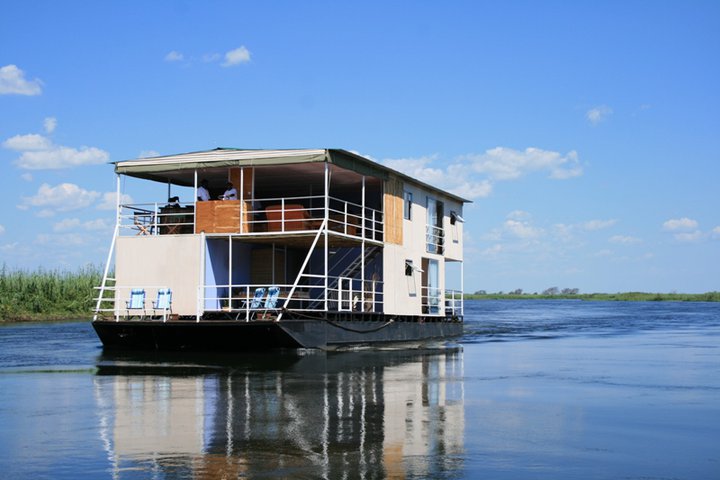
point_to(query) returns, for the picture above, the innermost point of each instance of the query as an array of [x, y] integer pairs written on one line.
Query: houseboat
[[260, 249]]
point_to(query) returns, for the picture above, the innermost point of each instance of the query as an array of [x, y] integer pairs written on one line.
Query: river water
[[534, 389]]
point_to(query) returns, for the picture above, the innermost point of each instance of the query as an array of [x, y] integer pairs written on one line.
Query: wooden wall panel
[[393, 214], [218, 216]]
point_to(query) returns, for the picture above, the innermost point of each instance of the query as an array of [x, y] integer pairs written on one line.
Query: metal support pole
[[327, 216]]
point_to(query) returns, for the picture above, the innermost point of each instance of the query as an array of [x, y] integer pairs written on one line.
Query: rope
[[347, 329]]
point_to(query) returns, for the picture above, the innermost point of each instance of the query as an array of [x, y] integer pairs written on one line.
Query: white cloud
[[50, 123], [695, 236], [73, 224], [174, 56], [29, 142], [108, 200], [63, 239], [63, 197], [624, 239], [466, 175], [236, 57], [676, 224], [39, 152], [9, 247], [13, 82], [454, 178], [522, 229], [593, 225], [27, 177], [2, 229], [598, 114], [518, 215], [716, 232], [502, 163]]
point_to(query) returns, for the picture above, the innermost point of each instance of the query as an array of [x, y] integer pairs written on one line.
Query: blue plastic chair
[[163, 303], [252, 304], [136, 303], [257, 299], [271, 300]]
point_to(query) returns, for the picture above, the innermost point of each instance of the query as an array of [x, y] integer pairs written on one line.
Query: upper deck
[[290, 220]]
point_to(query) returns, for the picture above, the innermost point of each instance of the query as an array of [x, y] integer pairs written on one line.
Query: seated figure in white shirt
[[230, 192]]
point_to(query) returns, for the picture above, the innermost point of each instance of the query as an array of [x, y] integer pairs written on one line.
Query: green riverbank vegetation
[[47, 294]]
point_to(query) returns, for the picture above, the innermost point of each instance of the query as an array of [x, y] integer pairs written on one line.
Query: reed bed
[[47, 294]]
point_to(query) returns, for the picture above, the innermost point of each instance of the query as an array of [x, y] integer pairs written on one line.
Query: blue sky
[[586, 133]]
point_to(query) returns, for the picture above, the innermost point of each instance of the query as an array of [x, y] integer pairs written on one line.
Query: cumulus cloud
[[624, 239], [30, 142], [694, 236], [174, 56], [50, 123], [593, 225], [13, 82], [501, 163], [471, 176], [108, 200], [680, 224], [39, 152], [522, 229], [236, 57], [63, 197], [598, 114]]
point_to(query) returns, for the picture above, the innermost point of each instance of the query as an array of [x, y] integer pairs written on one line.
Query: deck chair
[[271, 300], [163, 303], [252, 304], [136, 303]]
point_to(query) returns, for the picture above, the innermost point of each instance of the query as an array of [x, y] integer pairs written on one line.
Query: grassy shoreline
[[47, 295], [55, 295]]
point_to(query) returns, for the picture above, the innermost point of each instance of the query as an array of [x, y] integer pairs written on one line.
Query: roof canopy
[[175, 168]]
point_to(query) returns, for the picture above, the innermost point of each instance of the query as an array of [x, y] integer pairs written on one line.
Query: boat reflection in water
[[369, 414]]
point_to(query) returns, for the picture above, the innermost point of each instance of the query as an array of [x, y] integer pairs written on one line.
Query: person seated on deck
[[203, 194], [230, 192], [173, 202]]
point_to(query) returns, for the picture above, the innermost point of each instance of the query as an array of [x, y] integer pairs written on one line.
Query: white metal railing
[[434, 239], [156, 219], [454, 302], [117, 304], [263, 216], [250, 301], [435, 301]]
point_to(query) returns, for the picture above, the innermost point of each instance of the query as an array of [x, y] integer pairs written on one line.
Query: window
[[408, 206]]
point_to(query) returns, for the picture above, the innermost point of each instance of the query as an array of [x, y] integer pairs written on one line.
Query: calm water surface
[[535, 389]]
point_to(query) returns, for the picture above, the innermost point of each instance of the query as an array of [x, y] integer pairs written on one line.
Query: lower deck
[[294, 331]]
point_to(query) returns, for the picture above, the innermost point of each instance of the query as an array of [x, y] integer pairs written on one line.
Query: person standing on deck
[[203, 194]]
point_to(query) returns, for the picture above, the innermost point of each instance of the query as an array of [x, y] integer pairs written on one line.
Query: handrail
[[344, 217]]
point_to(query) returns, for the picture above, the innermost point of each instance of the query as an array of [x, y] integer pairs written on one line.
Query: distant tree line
[[547, 292]]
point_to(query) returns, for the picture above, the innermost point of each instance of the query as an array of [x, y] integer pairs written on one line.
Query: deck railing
[[438, 302], [261, 217], [254, 301], [116, 301]]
